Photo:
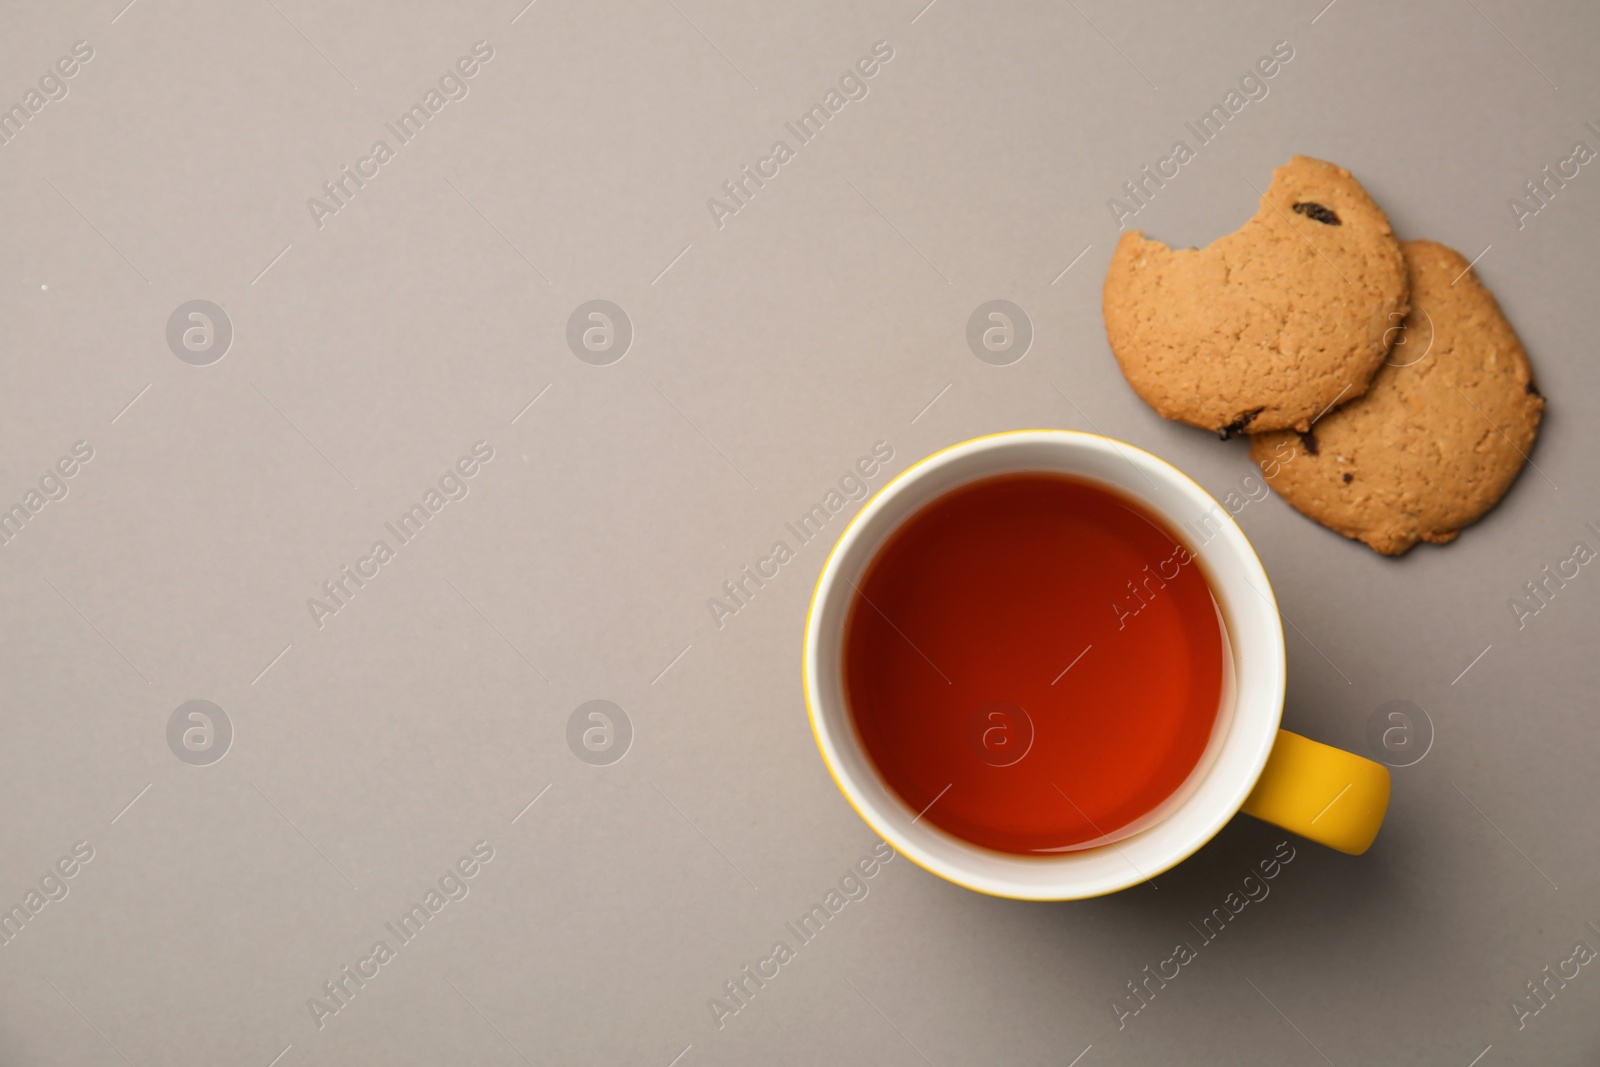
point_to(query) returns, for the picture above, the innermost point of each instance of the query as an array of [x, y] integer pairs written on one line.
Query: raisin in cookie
[[1441, 433], [1264, 328]]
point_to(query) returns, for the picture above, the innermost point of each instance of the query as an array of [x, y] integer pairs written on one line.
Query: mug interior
[[1246, 725]]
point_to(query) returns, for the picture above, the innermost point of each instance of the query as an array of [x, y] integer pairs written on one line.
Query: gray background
[[371, 353]]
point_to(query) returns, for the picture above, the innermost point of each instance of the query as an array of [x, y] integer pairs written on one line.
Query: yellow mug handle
[[1326, 794]]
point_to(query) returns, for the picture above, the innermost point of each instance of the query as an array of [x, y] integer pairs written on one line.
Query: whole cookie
[[1441, 433], [1266, 327]]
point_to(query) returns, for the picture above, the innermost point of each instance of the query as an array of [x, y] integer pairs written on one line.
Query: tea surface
[[1036, 661]]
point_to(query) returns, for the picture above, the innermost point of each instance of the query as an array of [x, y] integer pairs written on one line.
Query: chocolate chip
[[1532, 389], [1238, 425], [1316, 211], [1348, 478], [1309, 439]]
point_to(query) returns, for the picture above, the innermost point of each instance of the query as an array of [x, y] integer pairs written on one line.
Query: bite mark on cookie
[[1269, 316]]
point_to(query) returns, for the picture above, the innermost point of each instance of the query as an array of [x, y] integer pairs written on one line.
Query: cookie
[[1264, 328], [1441, 433]]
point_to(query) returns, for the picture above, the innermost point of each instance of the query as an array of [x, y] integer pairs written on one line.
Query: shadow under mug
[[1319, 792]]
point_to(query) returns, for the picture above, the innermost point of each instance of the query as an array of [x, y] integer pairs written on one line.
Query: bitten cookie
[[1442, 432], [1266, 327]]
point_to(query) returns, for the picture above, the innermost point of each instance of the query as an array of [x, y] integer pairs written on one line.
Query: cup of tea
[[1047, 665]]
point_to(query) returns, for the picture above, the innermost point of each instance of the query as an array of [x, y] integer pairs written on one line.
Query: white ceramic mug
[[1319, 792]]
